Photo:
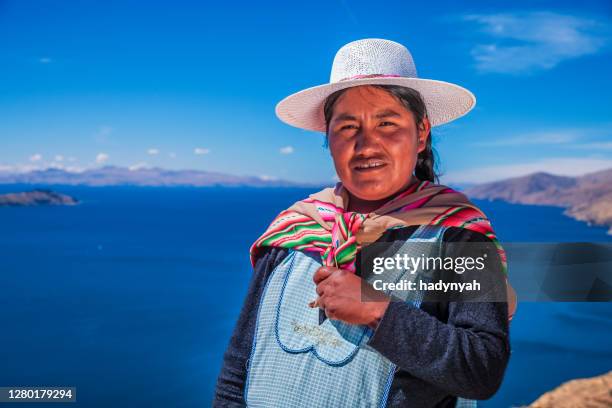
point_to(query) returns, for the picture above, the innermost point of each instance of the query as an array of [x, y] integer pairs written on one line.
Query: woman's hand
[[512, 300], [340, 295]]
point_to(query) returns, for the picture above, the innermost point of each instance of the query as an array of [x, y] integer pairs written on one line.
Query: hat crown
[[372, 56]]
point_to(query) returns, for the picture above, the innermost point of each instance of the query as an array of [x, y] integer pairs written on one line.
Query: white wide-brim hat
[[374, 61]]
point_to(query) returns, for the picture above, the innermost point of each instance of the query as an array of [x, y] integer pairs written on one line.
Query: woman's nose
[[366, 140]]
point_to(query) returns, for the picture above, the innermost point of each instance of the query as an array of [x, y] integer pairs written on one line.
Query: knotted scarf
[[321, 222]]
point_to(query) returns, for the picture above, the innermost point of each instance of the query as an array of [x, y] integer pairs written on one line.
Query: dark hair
[[425, 168]]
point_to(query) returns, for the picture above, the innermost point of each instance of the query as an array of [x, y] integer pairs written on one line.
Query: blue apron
[[296, 363]]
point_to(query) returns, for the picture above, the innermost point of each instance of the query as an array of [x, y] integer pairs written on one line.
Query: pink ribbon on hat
[[370, 76]]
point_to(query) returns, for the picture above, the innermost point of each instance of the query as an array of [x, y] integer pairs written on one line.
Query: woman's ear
[[423, 134]]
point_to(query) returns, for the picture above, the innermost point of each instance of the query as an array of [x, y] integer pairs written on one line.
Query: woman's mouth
[[370, 165]]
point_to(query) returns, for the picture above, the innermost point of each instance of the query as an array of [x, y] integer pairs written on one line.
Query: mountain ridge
[[147, 176], [585, 198]]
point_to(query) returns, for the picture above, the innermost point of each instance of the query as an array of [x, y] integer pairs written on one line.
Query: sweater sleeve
[[229, 390], [465, 355]]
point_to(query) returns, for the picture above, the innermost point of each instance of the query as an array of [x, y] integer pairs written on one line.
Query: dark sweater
[[442, 349]]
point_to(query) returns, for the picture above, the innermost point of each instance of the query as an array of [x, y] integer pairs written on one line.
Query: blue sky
[[194, 85]]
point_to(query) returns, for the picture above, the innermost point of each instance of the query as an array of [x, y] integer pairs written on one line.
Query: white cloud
[[105, 130], [153, 151], [72, 159], [172, 155], [138, 166], [590, 137], [45, 60], [20, 168], [595, 146], [566, 166], [266, 177], [201, 150], [546, 137], [36, 157], [70, 169], [102, 158], [532, 41], [286, 150], [59, 158], [26, 168], [103, 133]]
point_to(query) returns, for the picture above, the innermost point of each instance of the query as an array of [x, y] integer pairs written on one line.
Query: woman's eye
[[387, 124], [348, 127]]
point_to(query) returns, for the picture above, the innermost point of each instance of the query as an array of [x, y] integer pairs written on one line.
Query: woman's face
[[374, 142]]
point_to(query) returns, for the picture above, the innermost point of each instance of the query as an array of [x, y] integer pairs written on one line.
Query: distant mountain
[[112, 176], [36, 197], [586, 198]]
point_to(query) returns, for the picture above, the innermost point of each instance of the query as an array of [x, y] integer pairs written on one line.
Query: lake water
[[132, 295]]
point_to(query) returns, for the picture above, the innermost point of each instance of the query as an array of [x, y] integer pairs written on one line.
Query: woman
[[305, 336]]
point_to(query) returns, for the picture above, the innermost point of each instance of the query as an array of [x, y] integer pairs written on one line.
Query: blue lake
[[132, 295]]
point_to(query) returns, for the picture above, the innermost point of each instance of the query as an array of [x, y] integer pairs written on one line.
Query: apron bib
[[296, 363]]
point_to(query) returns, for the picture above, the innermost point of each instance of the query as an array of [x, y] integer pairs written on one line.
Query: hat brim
[[445, 101]]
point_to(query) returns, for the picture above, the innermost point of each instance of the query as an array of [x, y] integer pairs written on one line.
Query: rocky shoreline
[[592, 392]]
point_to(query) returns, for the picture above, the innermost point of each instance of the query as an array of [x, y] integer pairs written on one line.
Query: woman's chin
[[370, 190]]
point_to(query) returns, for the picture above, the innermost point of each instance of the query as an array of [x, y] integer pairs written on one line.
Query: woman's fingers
[[512, 300], [319, 279], [321, 288], [318, 302], [322, 273]]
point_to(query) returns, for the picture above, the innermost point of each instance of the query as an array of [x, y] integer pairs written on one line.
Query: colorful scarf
[[322, 224]]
